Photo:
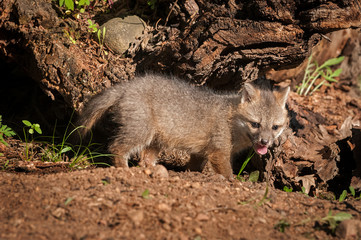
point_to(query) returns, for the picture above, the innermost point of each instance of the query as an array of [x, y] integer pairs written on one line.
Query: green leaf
[[31, 131], [27, 123], [341, 216], [253, 176], [3, 141], [342, 196], [332, 61], [68, 200], [337, 72], [330, 79], [282, 225], [37, 128], [82, 2], [66, 149], [61, 3], [69, 4], [145, 194], [286, 189], [352, 190], [249, 157]]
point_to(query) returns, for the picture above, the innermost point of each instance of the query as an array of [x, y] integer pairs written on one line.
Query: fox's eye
[[275, 127], [255, 125]]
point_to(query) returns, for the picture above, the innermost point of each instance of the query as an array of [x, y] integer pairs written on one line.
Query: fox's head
[[263, 111]]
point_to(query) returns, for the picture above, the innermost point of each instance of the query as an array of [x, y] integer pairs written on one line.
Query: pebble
[[136, 216], [160, 172], [147, 171], [198, 230], [164, 207], [202, 217], [120, 32]]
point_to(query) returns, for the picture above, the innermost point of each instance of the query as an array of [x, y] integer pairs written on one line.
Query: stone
[[160, 172], [136, 216], [121, 32]]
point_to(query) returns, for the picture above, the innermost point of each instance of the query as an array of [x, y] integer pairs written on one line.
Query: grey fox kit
[[156, 112]]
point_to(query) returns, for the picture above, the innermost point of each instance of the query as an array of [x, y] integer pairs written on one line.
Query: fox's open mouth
[[260, 148]]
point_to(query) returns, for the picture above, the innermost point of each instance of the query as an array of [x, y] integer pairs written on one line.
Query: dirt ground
[[112, 203]]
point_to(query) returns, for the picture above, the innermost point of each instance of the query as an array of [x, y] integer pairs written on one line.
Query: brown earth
[[110, 203]]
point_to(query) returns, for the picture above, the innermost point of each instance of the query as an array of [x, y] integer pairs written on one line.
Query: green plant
[[68, 200], [93, 27], [286, 189], [6, 164], [71, 5], [81, 155], [253, 176], [5, 130], [343, 196], [248, 158], [31, 129], [352, 191], [101, 37], [314, 71], [282, 225], [70, 37], [265, 197], [152, 4], [145, 194], [334, 220]]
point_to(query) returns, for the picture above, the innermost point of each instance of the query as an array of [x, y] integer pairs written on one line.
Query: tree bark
[[220, 44]]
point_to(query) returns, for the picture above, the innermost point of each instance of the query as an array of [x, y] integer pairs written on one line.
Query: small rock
[[160, 172], [164, 207], [58, 213], [202, 217], [147, 171], [136, 216], [120, 32], [221, 177], [198, 230], [195, 185], [349, 229]]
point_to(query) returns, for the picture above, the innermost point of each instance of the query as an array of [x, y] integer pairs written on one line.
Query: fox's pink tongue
[[260, 149]]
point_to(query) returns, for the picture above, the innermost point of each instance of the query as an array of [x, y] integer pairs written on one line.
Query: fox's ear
[[249, 93], [282, 95]]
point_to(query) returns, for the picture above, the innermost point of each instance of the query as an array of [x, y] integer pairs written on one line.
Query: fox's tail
[[96, 108]]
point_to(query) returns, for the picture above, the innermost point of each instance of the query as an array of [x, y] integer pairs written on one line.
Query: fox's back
[[175, 109]]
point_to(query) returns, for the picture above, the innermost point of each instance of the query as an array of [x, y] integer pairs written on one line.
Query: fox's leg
[[121, 154], [196, 162], [221, 163], [132, 141], [149, 156]]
